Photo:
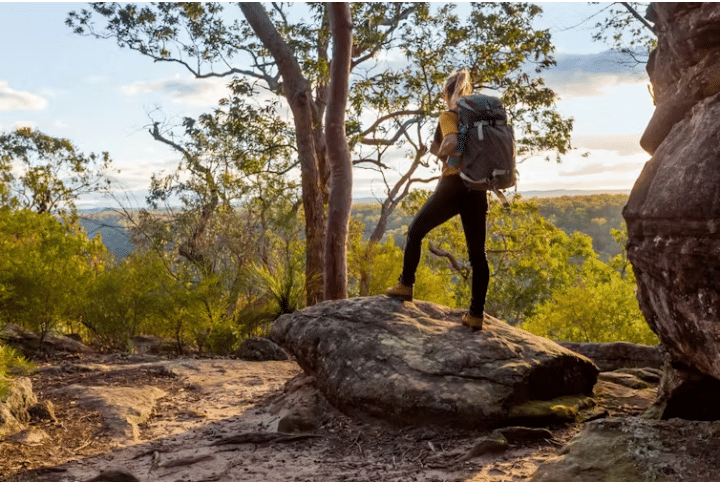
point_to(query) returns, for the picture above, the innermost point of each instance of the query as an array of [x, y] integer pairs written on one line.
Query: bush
[[46, 269], [11, 363], [593, 310]]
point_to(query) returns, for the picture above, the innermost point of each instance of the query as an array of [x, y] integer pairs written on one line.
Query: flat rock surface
[[634, 449], [414, 363]]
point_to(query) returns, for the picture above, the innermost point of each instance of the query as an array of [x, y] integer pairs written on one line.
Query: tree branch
[[639, 17], [389, 142], [391, 115], [393, 23], [462, 269]]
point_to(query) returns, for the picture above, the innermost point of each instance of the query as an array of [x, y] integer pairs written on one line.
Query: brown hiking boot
[[472, 321], [400, 292]]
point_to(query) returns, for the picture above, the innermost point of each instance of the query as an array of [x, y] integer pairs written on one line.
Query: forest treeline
[[595, 215], [553, 283]]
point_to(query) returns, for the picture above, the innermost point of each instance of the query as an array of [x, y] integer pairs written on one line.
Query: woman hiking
[[451, 197]]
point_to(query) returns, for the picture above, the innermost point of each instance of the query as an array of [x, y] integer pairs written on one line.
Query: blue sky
[[100, 96]]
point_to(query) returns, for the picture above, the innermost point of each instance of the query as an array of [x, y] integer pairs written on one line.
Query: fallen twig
[[260, 438], [185, 461]]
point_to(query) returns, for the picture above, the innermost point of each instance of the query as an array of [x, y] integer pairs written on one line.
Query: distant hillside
[[114, 234], [595, 215], [574, 192]]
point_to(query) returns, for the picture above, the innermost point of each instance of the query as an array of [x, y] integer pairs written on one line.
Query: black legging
[[450, 198]]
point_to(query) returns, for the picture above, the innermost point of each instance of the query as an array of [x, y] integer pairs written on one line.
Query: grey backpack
[[487, 144]]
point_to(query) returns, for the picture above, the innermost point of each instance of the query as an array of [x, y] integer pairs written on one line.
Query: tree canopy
[[401, 53], [47, 174]]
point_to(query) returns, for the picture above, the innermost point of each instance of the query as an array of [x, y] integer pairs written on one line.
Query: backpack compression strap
[[491, 183]]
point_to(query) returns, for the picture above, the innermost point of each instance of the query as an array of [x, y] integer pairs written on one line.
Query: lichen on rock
[[414, 363], [673, 212]]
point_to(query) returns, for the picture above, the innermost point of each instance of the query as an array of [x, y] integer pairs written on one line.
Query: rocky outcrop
[[414, 363], [14, 405], [673, 213], [30, 344], [686, 393], [260, 349], [617, 355], [123, 409], [635, 449]]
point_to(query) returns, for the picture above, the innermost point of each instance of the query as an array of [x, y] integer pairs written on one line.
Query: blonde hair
[[457, 85]]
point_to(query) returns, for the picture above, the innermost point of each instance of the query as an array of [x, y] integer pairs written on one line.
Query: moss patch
[[543, 412]]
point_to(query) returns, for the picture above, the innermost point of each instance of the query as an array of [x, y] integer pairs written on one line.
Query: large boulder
[[414, 363], [31, 345], [16, 398], [673, 212], [617, 355]]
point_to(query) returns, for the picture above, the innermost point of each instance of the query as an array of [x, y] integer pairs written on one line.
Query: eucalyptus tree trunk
[[297, 91], [340, 196]]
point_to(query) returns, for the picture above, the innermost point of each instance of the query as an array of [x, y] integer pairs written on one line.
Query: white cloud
[[592, 75], [589, 84], [619, 144], [11, 99], [186, 91], [582, 169]]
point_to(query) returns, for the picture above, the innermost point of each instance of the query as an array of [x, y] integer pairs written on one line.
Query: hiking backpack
[[487, 144]]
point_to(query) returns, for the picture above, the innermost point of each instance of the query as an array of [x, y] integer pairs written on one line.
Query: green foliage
[[625, 29], [47, 174], [599, 307], [124, 300], [597, 216], [284, 282], [529, 259], [46, 269], [246, 269], [387, 260], [11, 364]]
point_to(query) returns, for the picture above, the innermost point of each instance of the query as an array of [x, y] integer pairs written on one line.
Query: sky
[[102, 97]]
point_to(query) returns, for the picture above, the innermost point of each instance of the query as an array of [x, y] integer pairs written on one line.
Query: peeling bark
[[340, 196], [297, 91]]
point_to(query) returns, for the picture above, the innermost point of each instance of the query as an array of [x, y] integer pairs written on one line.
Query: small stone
[[260, 349], [42, 411], [492, 444], [31, 436]]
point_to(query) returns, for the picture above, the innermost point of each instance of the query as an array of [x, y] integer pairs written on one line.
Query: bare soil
[[208, 401]]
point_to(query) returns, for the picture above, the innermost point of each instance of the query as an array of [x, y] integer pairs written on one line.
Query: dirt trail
[[218, 422]]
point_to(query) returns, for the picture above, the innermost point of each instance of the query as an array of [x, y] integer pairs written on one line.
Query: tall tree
[[340, 198], [401, 53], [47, 174], [306, 116]]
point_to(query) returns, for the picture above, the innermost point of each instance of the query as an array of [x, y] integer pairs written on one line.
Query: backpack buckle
[[479, 125]]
